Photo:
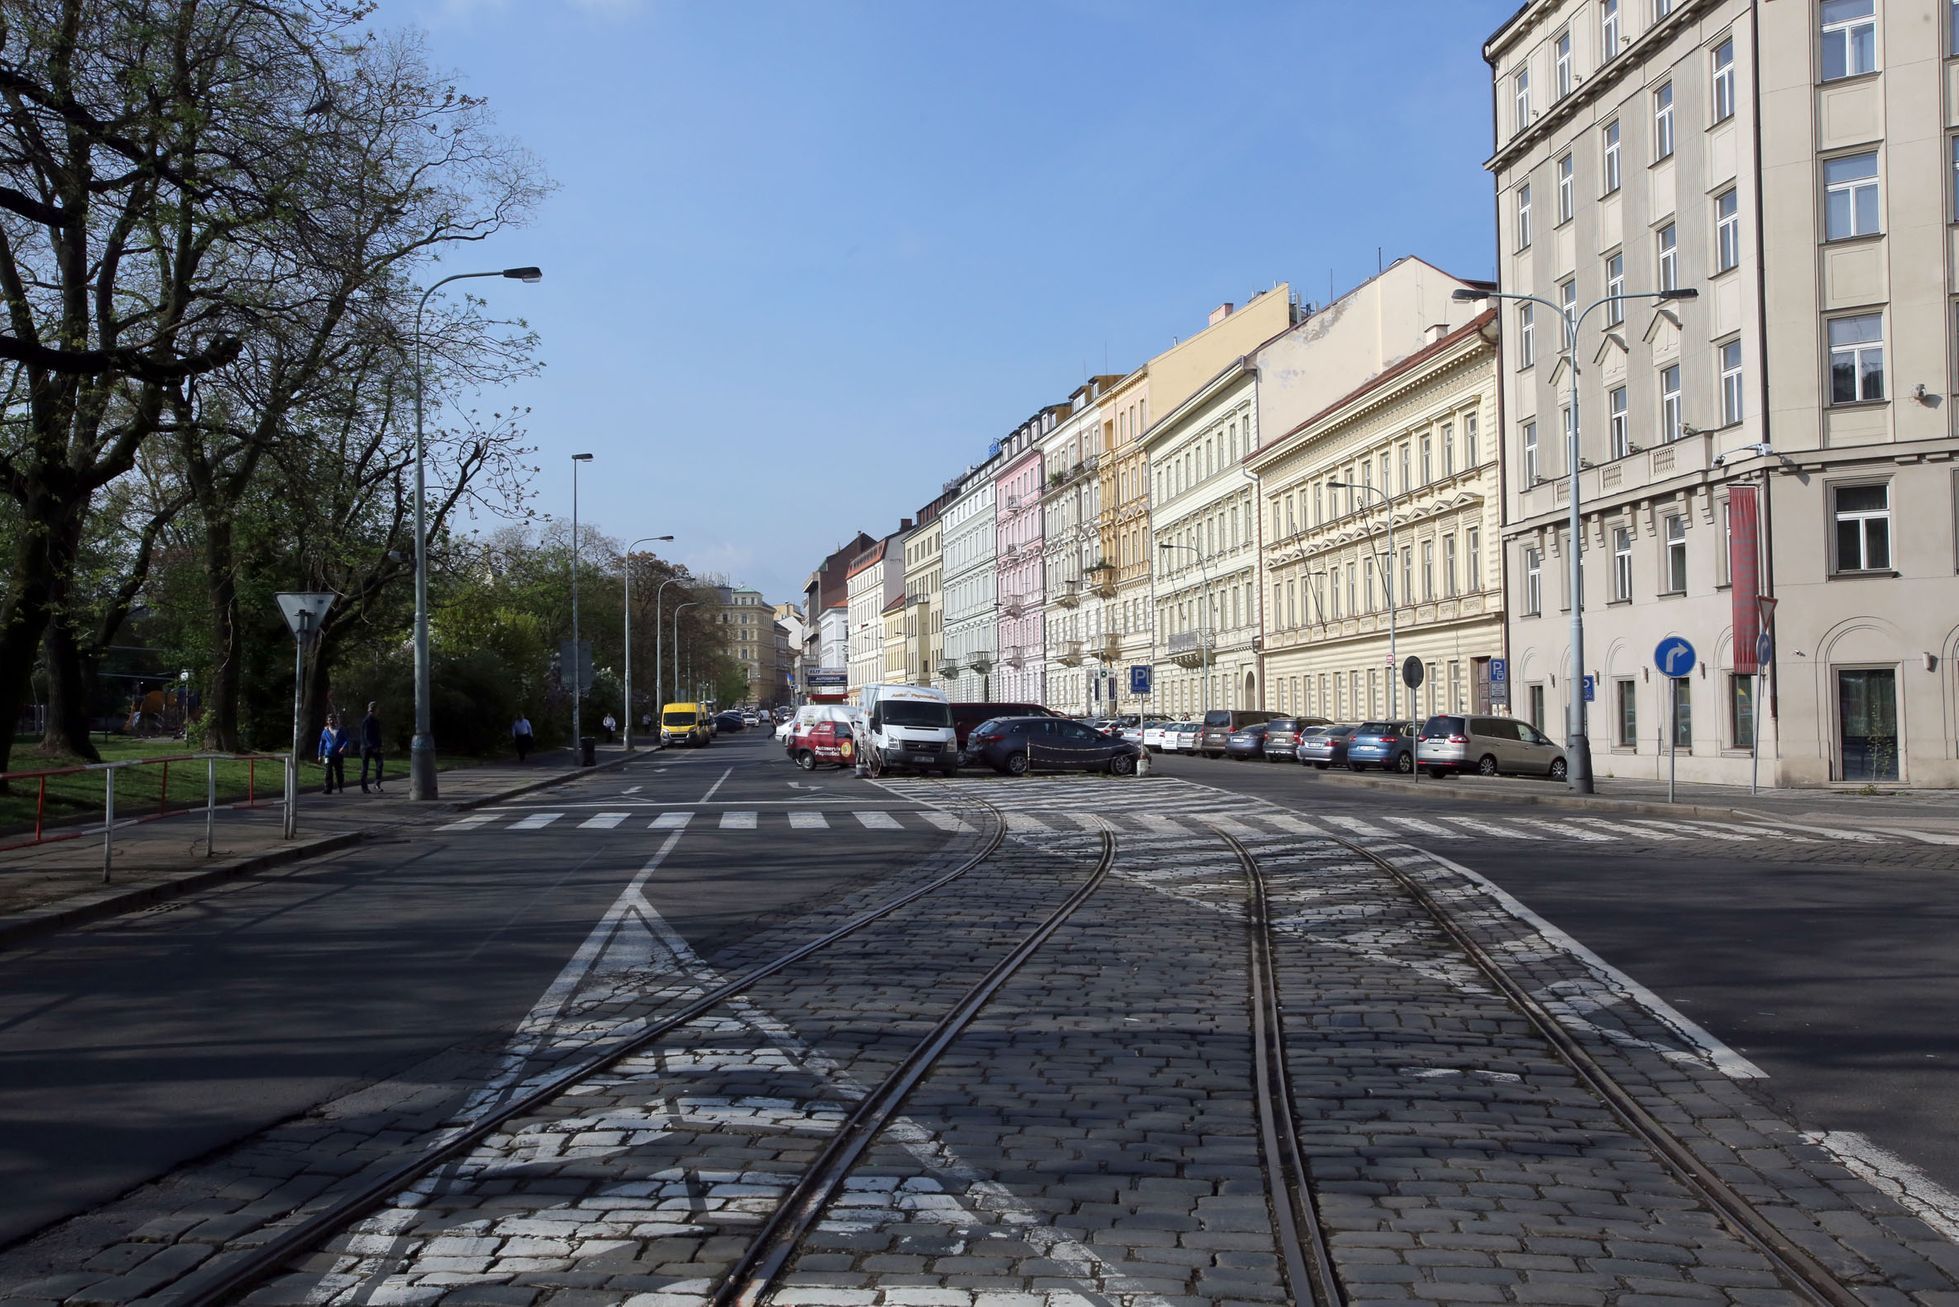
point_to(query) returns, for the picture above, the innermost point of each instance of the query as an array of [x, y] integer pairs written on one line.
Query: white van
[[908, 727]]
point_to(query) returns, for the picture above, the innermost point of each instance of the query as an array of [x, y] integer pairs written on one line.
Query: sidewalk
[[48, 887]]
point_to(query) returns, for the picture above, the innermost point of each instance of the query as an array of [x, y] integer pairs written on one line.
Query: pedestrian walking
[[371, 747], [520, 735], [333, 753], [611, 724]]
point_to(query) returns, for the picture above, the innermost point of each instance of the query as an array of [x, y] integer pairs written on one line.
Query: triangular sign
[[305, 610]]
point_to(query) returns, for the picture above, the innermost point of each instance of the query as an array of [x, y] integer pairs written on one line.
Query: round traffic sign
[[1764, 649], [1674, 657], [1412, 672]]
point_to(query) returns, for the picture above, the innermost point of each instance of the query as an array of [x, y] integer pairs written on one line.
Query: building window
[[1567, 301], [1669, 242], [1449, 565], [1526, 335], [1472, 545], [1565, 180], [1727, 230], [1406, 595], [1615, 284], [1724, 80], [1428, 571], [1849, 38], [1610, 171], [1533, 582], [1626, 699], [1448, 449], [1663, 122], [1661, 8], [1469, 433], [1857, 359], [1621, 564], [1670, 426], [1530, 454], [1741, 711], [1407, 483], [1731, 408], [1850, 196], [1674, 575], [1608, 30], [1952, 28], [1683, 712], [1428, 459], [1523, 216], [1863, 520], [1536, 709], [1953, 185], [1520, 93], [1615, 404], [1562, 63]]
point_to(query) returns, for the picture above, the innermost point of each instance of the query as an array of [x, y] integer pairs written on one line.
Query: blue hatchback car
[[1387, 745]]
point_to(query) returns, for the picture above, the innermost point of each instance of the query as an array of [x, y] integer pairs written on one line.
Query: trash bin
[[588, 751]]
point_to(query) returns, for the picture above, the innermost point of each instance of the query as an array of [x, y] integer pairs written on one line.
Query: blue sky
[[811, 257]]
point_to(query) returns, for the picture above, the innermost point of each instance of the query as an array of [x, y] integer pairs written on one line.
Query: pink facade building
[[1021, 673]]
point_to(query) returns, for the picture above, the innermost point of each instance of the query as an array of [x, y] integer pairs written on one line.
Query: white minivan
[[908, 727]]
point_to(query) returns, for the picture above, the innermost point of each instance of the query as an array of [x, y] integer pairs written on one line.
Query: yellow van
[[685, 723]]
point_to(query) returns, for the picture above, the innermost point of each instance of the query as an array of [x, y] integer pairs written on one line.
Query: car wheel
[[1122, 765], [806, 760], [949, 772], [1356, 766], [1321, 766], [1486, 765], [960, 759], [1016, 764], [1404, 764], [1438, 773], [1559, 770]]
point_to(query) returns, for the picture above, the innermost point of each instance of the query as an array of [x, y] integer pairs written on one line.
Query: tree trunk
[[68, 692], [227, 643], [50, 539]]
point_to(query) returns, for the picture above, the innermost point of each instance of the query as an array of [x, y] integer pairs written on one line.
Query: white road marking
[[1855, 836], [1621, 828], [737, 821], [808, 819], [536, 821], [1357, 826], [1298, 825], [1700, 830], [877, 820], [1491, 828], [1426, 827], [1923, 836], [1022, 823], [632, 789], [671, 821], [603, 820], [1566, 832], [718, 784], [475, 819], [945, 821], [1158, 822], [1936, 1205], [1231, 826]]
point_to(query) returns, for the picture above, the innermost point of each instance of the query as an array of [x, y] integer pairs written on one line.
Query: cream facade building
[[1794, 164], [869, 588], [1070, 503], [1121, 577], [1422, 434], [925, 598], [894, 643], [747, 624], [970, 625]]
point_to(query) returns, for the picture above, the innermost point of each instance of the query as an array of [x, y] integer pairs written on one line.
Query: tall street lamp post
[[577, 663], [421, 754], [680, 579], [1204, 634], [1394, 656], [643, 540], [1578, 749], [691, 603]]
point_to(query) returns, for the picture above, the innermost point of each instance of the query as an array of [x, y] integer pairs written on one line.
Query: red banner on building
[[1745, 574]]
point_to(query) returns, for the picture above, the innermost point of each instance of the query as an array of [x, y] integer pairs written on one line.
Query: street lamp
[[1203, 632], [1387, 574], [691, 603], [680, 579], [1578, 749], [421, 754], [643, 540], [577, 663]]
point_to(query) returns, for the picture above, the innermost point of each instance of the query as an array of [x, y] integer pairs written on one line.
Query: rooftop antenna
[[1378, 267]]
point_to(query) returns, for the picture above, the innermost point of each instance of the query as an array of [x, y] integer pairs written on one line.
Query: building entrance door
[[1479, 694], [1867, 724]]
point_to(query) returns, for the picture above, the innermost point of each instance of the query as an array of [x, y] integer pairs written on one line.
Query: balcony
[[1069, 653], [1014, 658], [949, 670], [1068, 595], [1013, 605], [981, 661], [1110, 651], [1103, 577], [1192, 648]]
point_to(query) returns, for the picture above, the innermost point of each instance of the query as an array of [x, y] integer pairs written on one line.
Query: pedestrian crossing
[[1247, 821]]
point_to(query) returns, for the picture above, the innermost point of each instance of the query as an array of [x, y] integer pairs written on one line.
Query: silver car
[[1181, 738], [1488, 746]]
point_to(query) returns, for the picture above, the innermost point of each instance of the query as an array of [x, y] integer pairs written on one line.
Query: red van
[[827, 743]]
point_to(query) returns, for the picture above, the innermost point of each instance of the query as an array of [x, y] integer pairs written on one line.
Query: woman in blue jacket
[[334, 742]]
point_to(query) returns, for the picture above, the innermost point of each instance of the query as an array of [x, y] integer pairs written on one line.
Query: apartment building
[[747, 624], [1380, 520], [794, 628], [875, 579], [971, 619], [924, 596], [825, 653], [1020, 675], [1747, 458], [1077, 659], [1121, 575], [894, 643]]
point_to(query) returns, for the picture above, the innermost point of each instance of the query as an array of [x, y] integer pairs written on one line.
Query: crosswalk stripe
[[1426, 827], [1151, 821], [1621, 828], [944, 821], [737, 821], [1491, 828], [1297, 825], [802, 820], [672, 821], [1356, 825], [536, 821], [1566, 831], [470, 822], [1231, 826], [874, 820], [603, 820], [1021, 823], [1702, 831]]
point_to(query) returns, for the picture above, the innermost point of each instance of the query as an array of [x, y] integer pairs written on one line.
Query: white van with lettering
[[908, 728]]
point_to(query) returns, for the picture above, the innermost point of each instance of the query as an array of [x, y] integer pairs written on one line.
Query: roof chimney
[[1220, 313], [904, 524], [1436, 331]]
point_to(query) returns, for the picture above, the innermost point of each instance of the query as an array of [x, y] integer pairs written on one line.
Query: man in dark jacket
[[371, 748]]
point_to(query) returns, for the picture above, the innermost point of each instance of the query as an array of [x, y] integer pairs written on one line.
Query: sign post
[[1675, 659], [1412, 676], [305, 611], [1764, 649], [1499, 682]]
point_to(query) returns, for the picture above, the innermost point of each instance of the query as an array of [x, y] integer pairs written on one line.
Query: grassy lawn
[[140, 790]]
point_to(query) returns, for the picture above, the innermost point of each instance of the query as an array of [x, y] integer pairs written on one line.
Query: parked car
[[825, 743], [727, 723], [1282, 735], [685, 723], [1219, 723], [808, 716], [1387, 745], [1247, 742], [965, 716], [1326, 749], [1489, 746], [1307, 735], [1183, 737], [1018, 745]]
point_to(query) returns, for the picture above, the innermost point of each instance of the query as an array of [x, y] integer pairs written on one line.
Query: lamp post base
[[421, 769], [1578, 764]]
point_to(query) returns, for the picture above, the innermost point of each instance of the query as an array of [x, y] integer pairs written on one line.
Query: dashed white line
[[536, 821], [874, 820], [672, 821]]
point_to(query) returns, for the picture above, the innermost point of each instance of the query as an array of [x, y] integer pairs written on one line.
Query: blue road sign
[[1591, 689], [1764, 649], [1674, 657], [1499, 670], [1139, 679]]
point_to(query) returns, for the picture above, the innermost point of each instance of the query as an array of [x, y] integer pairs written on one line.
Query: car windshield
[[1443, 726], [915, 712], [1380, 728], [678, 719]]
